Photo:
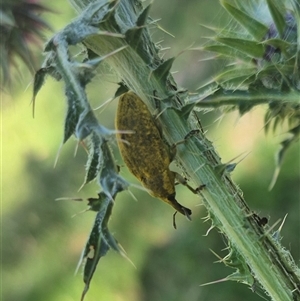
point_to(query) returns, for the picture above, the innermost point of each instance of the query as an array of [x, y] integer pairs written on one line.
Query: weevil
[[144, 151]]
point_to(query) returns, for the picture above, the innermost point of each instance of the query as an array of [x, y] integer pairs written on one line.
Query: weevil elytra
[[146, 154]]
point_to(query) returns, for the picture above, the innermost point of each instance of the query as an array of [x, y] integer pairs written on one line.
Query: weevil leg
[[178, 207], [186, 137], [183, 181], [179, 178], [174, 220], [187, 213]]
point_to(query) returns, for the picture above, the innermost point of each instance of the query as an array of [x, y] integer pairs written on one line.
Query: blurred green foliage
[[41, 242]]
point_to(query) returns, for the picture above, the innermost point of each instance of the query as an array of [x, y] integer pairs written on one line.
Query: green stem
[[227, 98], [268, 261]]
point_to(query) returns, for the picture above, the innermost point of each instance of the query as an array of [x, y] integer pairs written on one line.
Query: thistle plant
[[21, 30], [266, 71]]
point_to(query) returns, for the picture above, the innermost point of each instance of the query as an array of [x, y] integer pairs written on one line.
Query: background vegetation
[[41, 241]]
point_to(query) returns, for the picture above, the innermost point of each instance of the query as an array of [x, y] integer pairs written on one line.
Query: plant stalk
[[260, 256]]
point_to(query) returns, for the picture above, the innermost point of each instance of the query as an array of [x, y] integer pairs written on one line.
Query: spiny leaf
[[236, 261], [230, 32], [235, 77], [254, 27], [285, 145], [280, 44], [221, 169], [121, 90], [230, 167], [87, 24], [278, 11], [133, 35], [252, 48], [187, 109], [96, 247], [91, 264], [39, 79], [168, 101], [228, 51], [100, 239], [109, 178], [73, 112], [86, 124], [267, 121], [95, 161], [162, 72], [86, 71], [245, 107], [245, 278], [277, 121], [143, 17]]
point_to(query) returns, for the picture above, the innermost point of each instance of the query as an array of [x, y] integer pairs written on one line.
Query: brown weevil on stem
[[144, 152]]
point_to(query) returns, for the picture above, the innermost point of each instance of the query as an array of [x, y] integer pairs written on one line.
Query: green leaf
[[121, 90], [267, 121], [109, 178], [94, 163], [229, 33], [143, 17], [96, 247], [162, 72], [283, 45], [228, 51], [235, 71], [274, 75], [86, 124], [236, 77], [100, 239], [73, 112], [285, 145], [236, 261], [278, 12], [186, 110], [254, 27], [133, 35], [39, 79], [251, 48]]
